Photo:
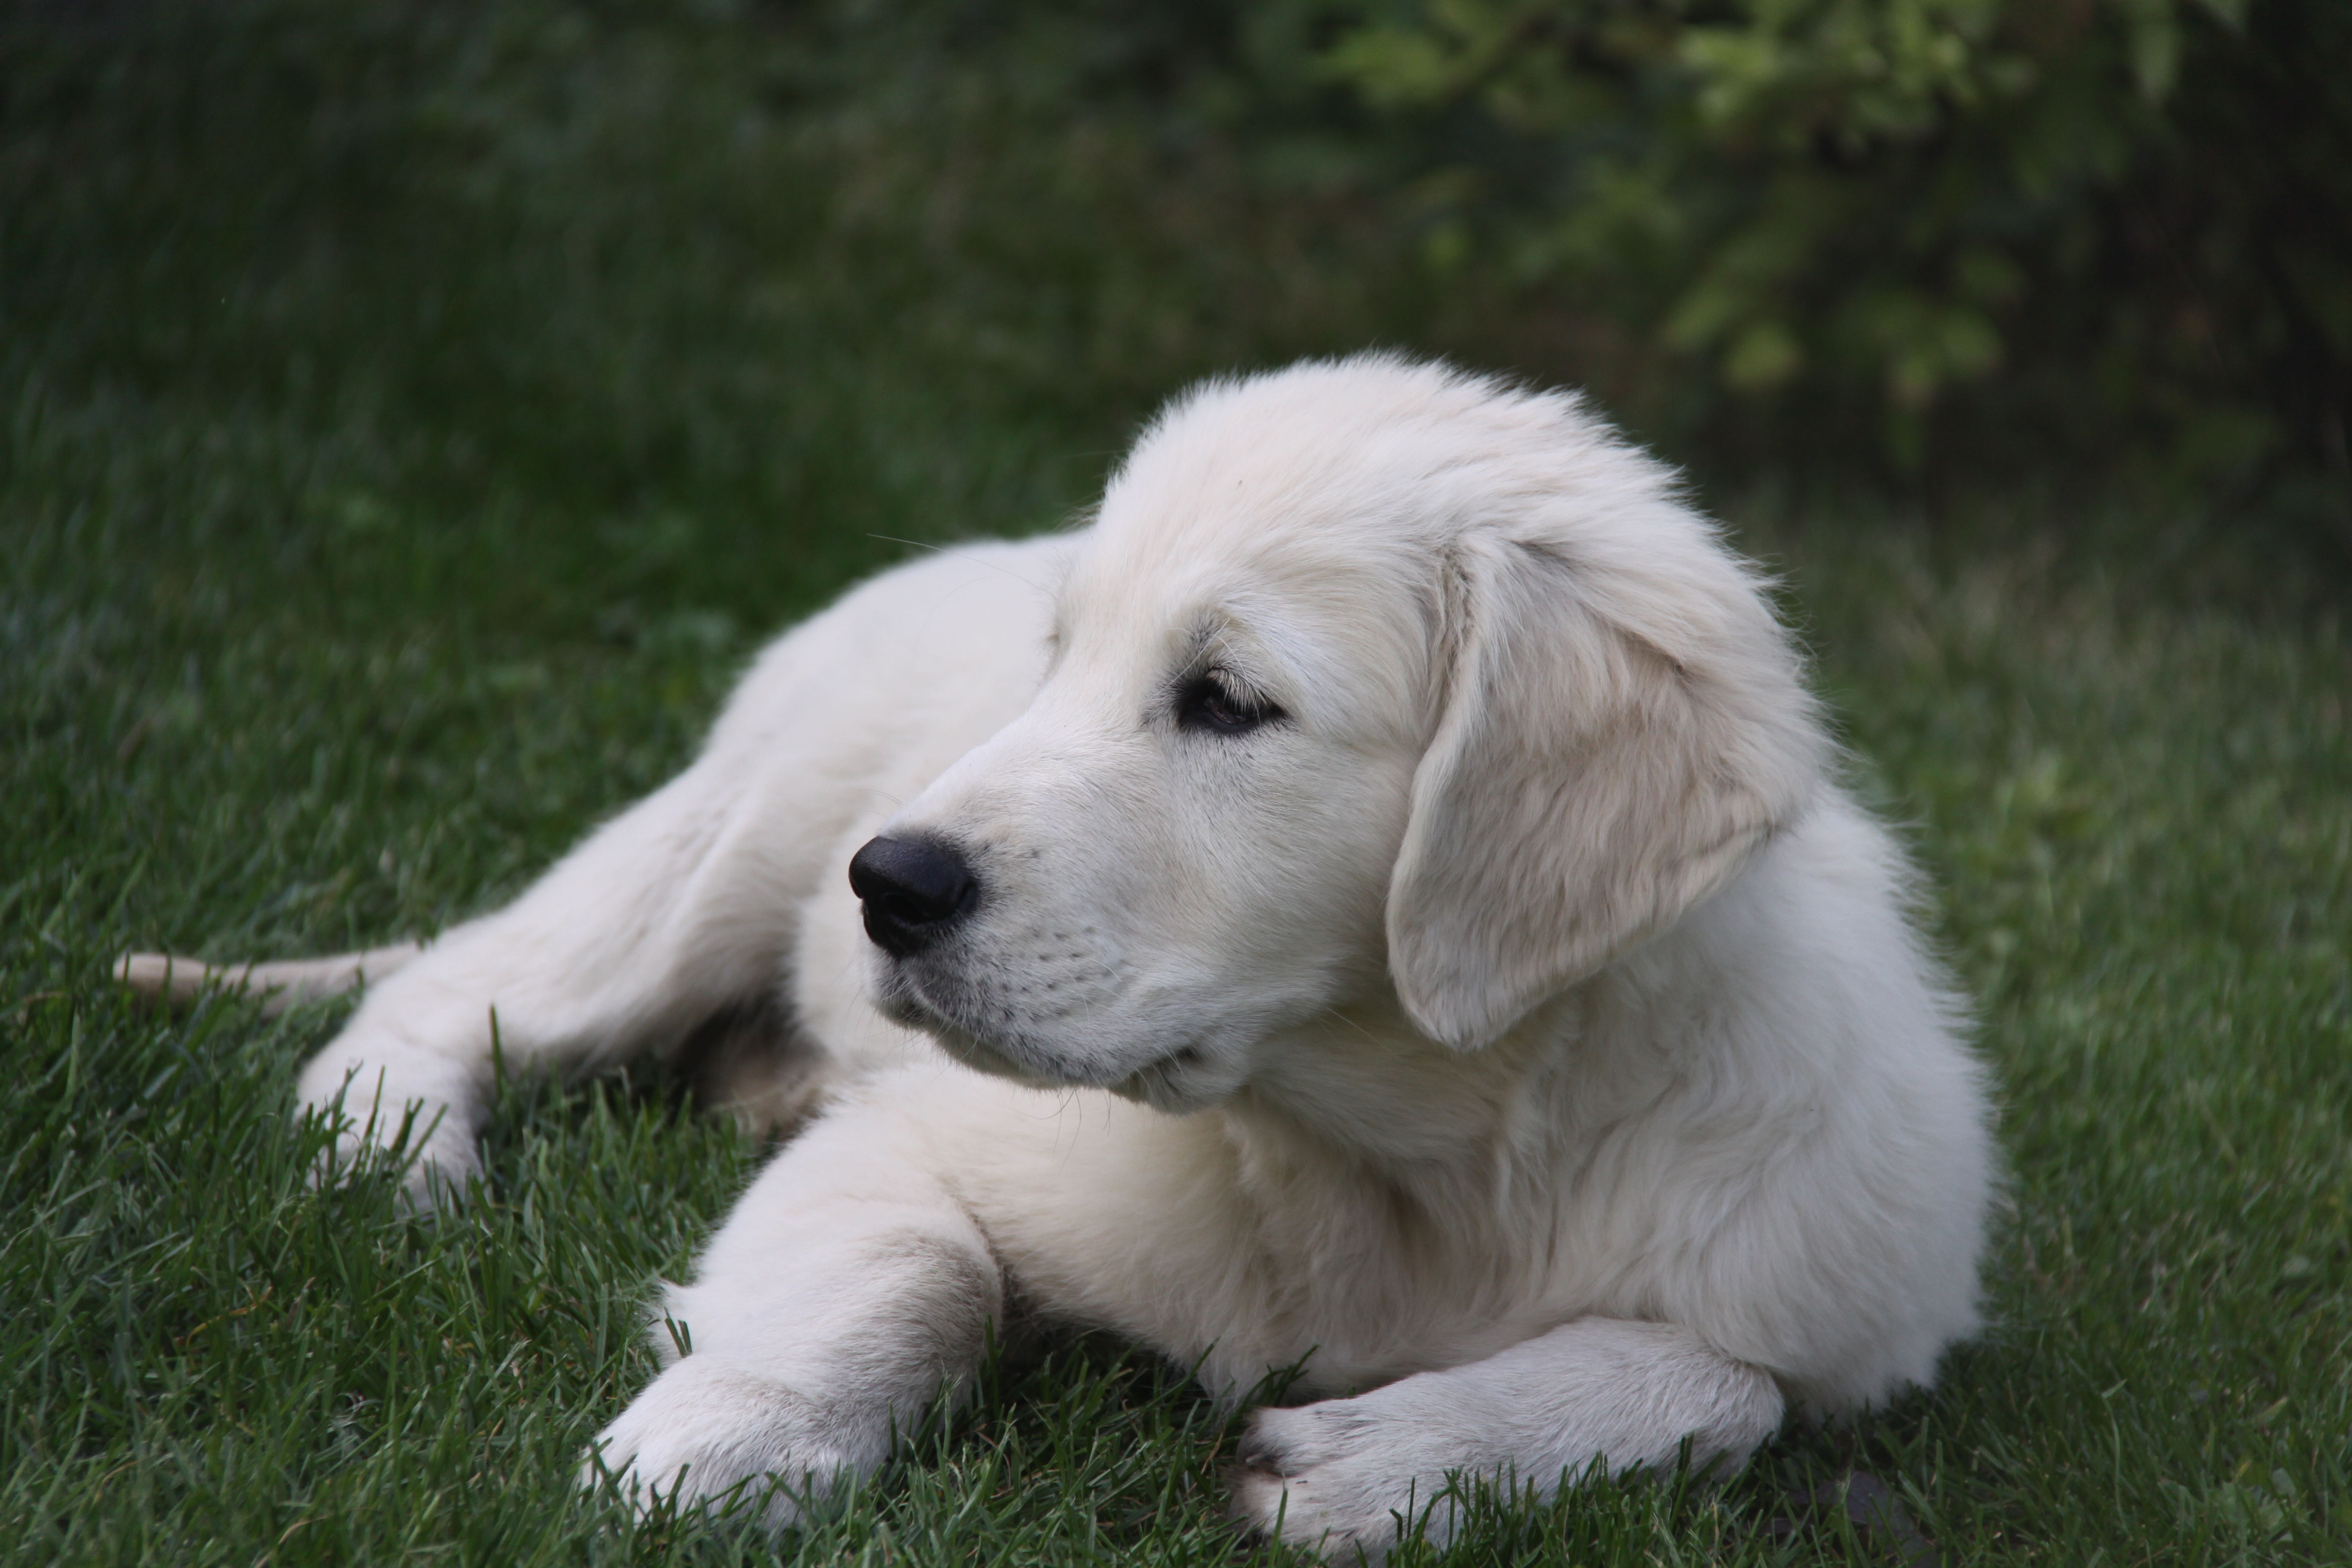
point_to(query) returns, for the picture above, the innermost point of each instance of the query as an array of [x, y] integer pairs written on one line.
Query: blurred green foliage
[[2075, 224], [1935, 243]]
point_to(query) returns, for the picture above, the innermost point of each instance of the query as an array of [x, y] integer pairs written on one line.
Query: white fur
[[1524, 1031]]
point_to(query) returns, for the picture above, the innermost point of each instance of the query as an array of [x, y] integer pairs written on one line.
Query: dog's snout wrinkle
[[914, 889]]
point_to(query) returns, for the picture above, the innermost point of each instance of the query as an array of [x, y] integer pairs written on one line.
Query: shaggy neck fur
[[1461, 1190]]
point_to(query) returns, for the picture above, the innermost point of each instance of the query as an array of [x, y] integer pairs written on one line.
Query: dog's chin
[[1178, 1082], [980, 1055], [898, 1000]]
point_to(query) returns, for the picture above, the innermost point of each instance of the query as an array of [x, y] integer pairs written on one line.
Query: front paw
[[414, 1120], [1341, 1479], [704, 1429]]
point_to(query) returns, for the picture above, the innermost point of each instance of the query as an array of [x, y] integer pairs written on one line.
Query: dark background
[[1958, 252]]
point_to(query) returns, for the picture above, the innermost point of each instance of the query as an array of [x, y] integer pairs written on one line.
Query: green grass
[[410, 418]]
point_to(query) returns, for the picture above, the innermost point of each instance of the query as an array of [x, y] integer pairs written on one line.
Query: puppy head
[[1371, 675]]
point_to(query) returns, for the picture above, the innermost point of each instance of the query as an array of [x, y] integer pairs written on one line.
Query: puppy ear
[[1617, 737]]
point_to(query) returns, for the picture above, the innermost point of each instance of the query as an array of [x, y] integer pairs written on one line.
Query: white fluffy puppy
[[1386, 876]]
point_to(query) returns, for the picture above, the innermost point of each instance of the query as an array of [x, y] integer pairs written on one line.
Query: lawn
[[410, 418]]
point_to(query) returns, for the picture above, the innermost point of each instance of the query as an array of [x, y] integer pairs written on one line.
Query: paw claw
[[1261, 1452]]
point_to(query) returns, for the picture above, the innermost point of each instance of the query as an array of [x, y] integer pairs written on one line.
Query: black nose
[[915, 891]]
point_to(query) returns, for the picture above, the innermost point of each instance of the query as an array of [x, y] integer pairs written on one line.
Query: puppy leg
[[1344, 1475], [669, 914], [848, 1290]]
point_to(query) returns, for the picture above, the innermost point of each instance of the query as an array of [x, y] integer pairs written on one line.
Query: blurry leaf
[[1765, 355], [2154, 46], [1880, 202], [1446, 246]]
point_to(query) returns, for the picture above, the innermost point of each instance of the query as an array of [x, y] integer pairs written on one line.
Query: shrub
[[2067, 227], [1927, 239]]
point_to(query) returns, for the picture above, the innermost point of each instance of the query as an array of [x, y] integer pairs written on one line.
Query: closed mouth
[[982, 1052], [1009, 1054]]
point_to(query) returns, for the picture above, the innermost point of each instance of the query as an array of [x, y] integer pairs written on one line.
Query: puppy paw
[[1348, 1477], [705, 1432], [416, 1121], [432, 1167], [1340, 1479]]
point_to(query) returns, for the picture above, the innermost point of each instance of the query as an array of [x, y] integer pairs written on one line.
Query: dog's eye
[[1206, 703]]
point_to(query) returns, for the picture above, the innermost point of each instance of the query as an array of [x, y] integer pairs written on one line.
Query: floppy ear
[[1617, 739]]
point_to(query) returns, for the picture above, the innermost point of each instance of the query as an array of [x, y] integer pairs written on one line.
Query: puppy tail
[[174, 982]]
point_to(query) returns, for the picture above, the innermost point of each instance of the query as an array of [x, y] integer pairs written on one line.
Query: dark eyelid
[[1226, 681], [1246, 706]]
